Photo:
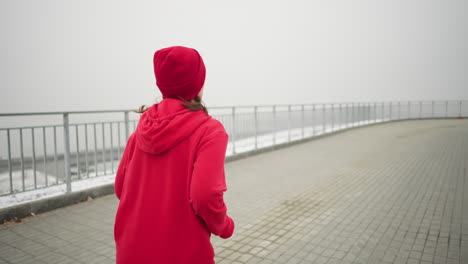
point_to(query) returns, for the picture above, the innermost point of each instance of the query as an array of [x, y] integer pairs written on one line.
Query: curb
[[48, 204]]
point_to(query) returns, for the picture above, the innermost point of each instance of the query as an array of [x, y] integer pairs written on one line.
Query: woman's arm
[[120, 175], [209, 183]]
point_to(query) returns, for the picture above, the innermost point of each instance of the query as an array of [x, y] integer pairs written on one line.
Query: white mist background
[[89, 55]]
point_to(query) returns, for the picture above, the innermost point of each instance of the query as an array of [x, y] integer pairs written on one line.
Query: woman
[[171, 179]]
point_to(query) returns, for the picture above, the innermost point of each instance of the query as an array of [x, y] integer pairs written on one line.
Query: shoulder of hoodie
[[212, 127]]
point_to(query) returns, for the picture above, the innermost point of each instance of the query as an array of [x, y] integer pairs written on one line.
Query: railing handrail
[[65, 112], [226, 107], [61, 125]]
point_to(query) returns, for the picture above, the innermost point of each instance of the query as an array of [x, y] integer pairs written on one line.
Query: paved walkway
[[390, 193]]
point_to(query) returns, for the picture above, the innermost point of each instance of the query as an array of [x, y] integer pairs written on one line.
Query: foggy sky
[[61, 55]]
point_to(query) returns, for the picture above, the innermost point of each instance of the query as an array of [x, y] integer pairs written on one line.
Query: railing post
[[364, 113], [313, 120], [77, 152], [44, 144], [104, 148], [409, 109], [22, 159], [66, 139], [34, 157], [361, 113], [383, 112], [95, 150], [375, 112], [289, 123], [420, 109], [86, 149], [353, 114], [10, 169], [368, 113], [256, 126], [274, 124], [332, 117], [111, 146], [302, 120], [460, 112], [233, 113], [390, 111], [126, 123], [399, 110], [446, 109], [338, 120], [339, 117], [432, 112], [323, 118], [346, 115]]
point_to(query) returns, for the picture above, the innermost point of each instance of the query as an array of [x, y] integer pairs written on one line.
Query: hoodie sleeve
[[120, 175], [208, 185]]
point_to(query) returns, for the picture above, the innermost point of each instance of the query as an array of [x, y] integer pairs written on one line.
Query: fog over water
[[89, 55]]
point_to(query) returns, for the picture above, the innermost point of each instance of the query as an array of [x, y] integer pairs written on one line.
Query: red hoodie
[[170, 183]]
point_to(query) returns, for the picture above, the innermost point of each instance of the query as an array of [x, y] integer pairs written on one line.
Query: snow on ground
[[55, 190], [241, 146], [28, 180]]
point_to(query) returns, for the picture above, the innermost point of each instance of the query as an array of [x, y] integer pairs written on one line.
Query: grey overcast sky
[[84, 55]]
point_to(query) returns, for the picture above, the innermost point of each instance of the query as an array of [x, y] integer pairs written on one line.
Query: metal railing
[[34, 157]]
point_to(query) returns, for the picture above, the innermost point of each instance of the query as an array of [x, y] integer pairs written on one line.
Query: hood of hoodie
[[166, 124]]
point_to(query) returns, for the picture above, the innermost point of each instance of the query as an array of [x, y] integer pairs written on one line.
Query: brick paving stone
[[390, 193]]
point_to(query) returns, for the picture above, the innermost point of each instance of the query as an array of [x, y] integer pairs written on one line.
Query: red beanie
[[179, 71]]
